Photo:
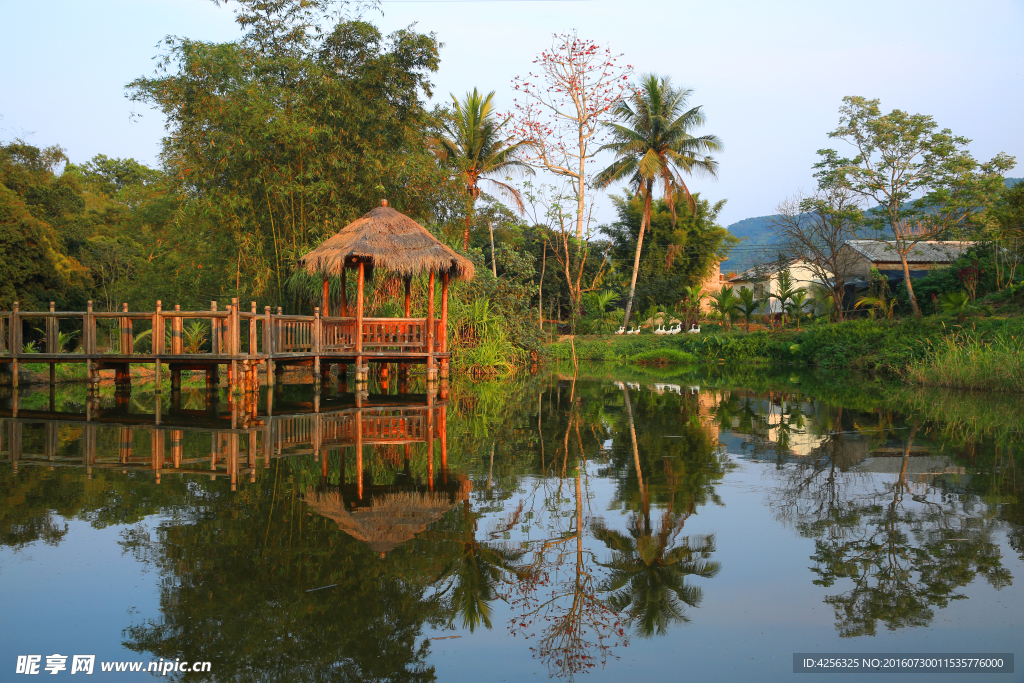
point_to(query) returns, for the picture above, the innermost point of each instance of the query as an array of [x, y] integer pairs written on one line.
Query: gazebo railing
[[394, 333]]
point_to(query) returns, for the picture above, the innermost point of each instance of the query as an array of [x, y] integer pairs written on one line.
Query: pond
[[605, 525]]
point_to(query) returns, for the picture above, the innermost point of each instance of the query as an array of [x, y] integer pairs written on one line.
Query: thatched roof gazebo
[[389, 519], [385, 238]]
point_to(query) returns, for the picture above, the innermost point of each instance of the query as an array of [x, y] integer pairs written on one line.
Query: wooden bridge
[[242, 342], [244, 437]]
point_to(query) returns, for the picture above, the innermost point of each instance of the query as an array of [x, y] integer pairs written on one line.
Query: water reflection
[[310, 536]]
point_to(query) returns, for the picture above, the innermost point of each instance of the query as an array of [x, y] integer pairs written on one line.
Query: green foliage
[[676, 254], [279, 144], [960, 304], [468, 139], [970, 361], [726, 304]]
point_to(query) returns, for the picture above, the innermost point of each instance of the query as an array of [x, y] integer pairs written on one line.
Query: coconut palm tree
[[470, 142], [748, 305], [652, 144], [648, 570], [726, 304], [477, 567]]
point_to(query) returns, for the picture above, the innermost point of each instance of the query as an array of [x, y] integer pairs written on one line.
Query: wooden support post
[[268, 345], [344, 293], [253, 348], [403, 368], [442, 428], [124, 453], [89, 345], [15, 443], [431, 367], [177, 332], [15, 345], [52, 339], [52, 441], [326, 307], [157, 451], [358, 427], [177, 439], [317, 338], [214, 330], [127, 336], [158, 345], [233, 334], [444, 324], [89, 448], [362, 374]]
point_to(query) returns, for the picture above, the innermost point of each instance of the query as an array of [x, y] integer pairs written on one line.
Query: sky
[[770, 76]]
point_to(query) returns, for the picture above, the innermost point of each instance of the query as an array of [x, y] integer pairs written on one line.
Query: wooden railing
[[225, 334]]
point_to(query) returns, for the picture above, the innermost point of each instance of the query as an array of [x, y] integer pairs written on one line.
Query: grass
[[966, 361], [934, 351]]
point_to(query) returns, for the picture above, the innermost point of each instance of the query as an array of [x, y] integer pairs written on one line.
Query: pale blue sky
[[769, 75]]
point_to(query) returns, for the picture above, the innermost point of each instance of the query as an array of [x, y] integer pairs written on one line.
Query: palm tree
[[652, 143], [470, 142], [648, 570], [785, 291], [474, 572], [796, 304], [748, 305], [725, 302]]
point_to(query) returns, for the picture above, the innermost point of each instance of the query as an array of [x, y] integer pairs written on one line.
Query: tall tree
[[285, 135], [564, 108], [815, 228], [470, 141], [652, 143], [924, 182], [678, 253]]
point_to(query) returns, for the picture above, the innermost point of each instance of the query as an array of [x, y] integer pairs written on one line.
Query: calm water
[[614, 526]]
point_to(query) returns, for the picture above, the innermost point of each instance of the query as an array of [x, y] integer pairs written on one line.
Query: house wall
[[801, 273], [711, 284], [860, 266]]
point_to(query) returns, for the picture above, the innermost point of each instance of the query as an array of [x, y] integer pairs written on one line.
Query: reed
[[966, 361]]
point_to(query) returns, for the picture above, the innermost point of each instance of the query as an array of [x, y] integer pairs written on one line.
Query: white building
[[764, 280]]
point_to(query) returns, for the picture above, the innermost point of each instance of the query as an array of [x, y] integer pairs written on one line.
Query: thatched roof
[[389, 240], [391, 519]]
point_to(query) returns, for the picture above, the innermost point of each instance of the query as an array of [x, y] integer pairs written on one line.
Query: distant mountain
[[758, 240]]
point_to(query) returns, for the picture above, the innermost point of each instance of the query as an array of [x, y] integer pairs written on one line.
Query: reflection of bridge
[[242, 438]]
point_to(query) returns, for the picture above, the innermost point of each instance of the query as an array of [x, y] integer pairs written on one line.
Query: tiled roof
[[762, 270], [922, 252]]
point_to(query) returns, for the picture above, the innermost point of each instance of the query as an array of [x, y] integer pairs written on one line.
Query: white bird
[[677, 329], [661, 329], [622, 330], [694, 329], [633, 330]]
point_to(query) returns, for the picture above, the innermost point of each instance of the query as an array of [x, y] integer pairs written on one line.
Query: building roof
[[760, 271], [923, 252], [387, 239]]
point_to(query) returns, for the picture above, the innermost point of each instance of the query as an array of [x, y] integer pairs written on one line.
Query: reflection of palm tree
[[475, 572], [647, 572]]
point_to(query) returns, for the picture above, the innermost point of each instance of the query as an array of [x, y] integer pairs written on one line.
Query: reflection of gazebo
[[385, 238], [392, 516]]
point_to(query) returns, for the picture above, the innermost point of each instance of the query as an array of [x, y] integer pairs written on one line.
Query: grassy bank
[[933, 351]]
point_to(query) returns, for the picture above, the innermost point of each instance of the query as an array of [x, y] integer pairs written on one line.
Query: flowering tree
[[563, 106]]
